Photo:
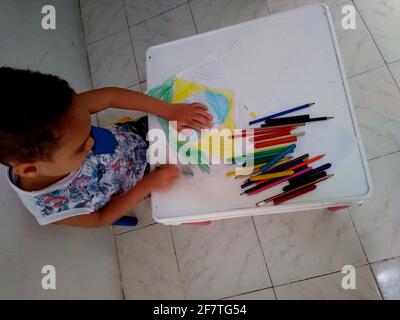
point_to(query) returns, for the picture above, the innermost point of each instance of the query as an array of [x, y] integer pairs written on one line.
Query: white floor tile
[[148, 264], [111, 115], [276, 6], [142, 211], [172, 25], [307, 244], [395, 70], [112, 62], [329, 288], [211, 14], [357, 47], [382, 18], [266, 294], [376, 99], [140, 10], [220, 260], [102, 18], [387, 274], [378, 220]]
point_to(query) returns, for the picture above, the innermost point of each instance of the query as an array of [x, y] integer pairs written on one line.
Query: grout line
[[191, 13], [384, 155], [266, 6], [318, 276], [391, 73], [376, 282], [385, 260], [252, 291], [177, 263], [86, 52], [372, 69], [369, 32], [135, 229], [358, 236], [130, 39], [106, 36], [119, 268], [155, 16], [398, 60], [262, 251]]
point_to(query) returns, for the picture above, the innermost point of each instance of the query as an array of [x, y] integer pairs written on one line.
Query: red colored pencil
[[295, 194], [269, 130], [274, 142], [263, 136]]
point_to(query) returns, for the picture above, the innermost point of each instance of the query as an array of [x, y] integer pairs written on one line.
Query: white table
[[274, 62]]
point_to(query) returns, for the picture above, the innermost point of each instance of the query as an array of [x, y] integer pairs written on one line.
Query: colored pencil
[[265, 201], [295, 194], [260, 131], [265, 126], [319, 119], [308, 161], [288, 120], [290, 149], [256, 168], [269, 135], [292, 120], [286, 165], [249, 181], [303, 182], [272, 175], [282, 113], [297, 134], [313, 171], [263, 136], [274, 142], [257, 153], [270, 185]]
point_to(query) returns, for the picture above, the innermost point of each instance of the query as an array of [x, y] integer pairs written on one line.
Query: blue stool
[[126, 221]]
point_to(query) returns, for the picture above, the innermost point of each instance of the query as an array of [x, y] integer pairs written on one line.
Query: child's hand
[[162, 178], [193, 115]]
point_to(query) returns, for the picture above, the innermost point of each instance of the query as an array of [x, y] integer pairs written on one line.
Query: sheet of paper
[[204, 83]]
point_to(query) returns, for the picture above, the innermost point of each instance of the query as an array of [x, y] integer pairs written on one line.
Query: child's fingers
[[196, 125], [200, 106], [204, 115], [203, 121]]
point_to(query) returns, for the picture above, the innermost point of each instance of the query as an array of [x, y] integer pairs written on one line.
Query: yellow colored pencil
[[255, 168], [272, 175]]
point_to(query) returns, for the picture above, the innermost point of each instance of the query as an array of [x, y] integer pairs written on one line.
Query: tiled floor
[[290, 256]]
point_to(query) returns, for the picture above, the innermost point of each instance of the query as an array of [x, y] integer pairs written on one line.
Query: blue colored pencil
[[282, 113], [278, 157]]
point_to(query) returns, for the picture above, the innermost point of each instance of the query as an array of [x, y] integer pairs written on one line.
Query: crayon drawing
[[203, 83]]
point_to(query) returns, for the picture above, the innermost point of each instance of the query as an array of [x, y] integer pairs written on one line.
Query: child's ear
[[28, 170]]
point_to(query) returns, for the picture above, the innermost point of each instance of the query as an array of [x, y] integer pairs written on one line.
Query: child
[[64, 170]]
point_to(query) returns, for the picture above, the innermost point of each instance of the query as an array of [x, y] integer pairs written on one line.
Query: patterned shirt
[[100, 178]]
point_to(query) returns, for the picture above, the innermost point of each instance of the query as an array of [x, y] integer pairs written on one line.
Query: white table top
[[272, 63]]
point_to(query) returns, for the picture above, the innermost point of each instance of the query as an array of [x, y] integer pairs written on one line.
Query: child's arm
[[161, 178], [194, 115]]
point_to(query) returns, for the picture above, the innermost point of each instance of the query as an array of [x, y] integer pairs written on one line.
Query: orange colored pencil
[[308, 161]]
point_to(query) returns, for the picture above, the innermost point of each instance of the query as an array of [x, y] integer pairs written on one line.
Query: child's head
[[43, 129]]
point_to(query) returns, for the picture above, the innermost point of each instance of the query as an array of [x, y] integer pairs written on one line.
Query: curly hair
[[32, 106]]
